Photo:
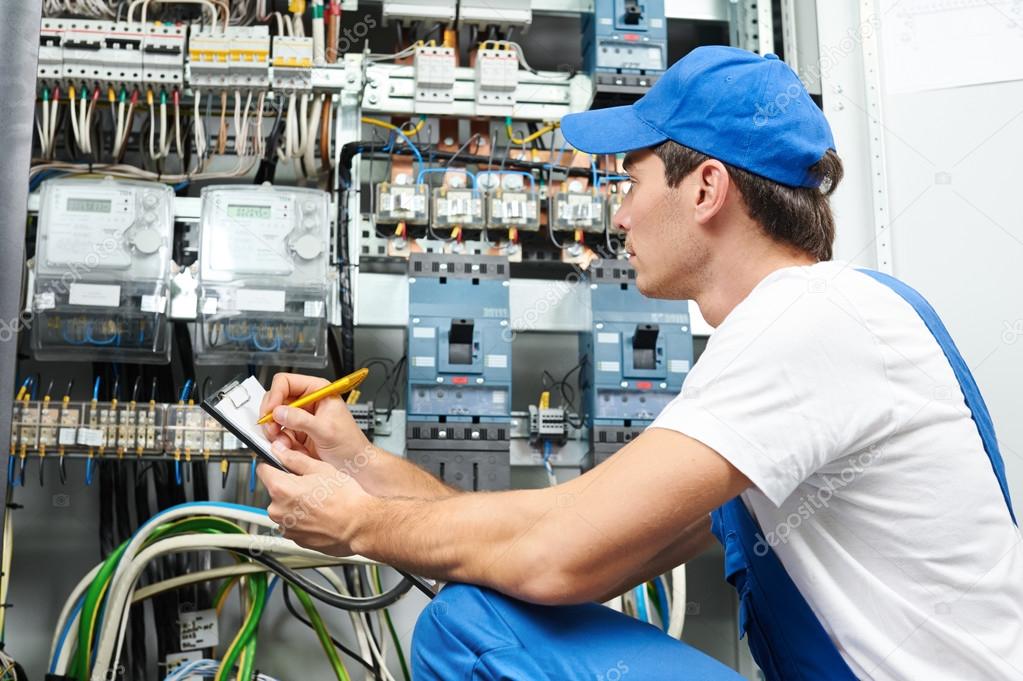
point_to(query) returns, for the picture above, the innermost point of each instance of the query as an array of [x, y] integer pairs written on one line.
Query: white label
[[422, 361], [209, 306], [198, 629], [313, 308], [497, 361], [612, 367], [66, 436], [45, 301], [498, 397], [607, 337], [230, 441], [176, 660], [90, 437], [424, 332], [678, 366], [102, 295], [656, 23], [156, 304], [259, 300]]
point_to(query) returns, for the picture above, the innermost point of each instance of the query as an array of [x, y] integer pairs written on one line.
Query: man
[[830, 432]]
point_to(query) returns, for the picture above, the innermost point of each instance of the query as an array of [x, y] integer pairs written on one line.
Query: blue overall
[[469, 633]]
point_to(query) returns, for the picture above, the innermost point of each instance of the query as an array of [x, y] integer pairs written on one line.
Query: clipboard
[[236, 407]]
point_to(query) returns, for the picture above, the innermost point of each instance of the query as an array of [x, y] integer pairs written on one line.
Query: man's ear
[[713, 186]]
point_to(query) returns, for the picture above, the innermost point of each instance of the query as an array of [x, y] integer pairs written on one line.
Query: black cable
[[384, 600], [286, 590]]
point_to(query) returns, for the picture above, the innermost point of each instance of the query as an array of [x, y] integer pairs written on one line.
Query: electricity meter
[[102, 271], [264, 260]]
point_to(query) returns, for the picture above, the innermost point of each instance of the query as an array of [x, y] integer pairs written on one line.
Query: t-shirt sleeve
[[791, 381]]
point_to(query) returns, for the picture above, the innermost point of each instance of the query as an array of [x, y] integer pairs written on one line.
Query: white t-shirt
[[871, 483]]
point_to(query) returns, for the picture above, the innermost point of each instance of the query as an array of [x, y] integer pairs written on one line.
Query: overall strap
[[974, 400]]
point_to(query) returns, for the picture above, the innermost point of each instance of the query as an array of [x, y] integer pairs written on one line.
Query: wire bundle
[[91, 630]]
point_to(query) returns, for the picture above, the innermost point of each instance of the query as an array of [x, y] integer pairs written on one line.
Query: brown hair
[[800, 216]]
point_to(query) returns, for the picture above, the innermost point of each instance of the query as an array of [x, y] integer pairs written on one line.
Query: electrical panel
[[163, 54], [399, 202], [625, 45], [459, 368], [513, 201], [639, 351], [264, 260], [101, 271]]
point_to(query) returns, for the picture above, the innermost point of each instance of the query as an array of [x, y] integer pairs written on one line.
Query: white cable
[[358, 626], [319, 39], [677, 620], [313, 126], [164, 137], [123, 583], [69, 605], [177, 131], [73, 111], [198, 128], [54, 110]]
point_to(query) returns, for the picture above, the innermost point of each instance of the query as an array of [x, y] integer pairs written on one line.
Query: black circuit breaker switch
[[644, 347], [633, 13], [460, 341]]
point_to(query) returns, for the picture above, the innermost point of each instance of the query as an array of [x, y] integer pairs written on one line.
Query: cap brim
[[609, 131]]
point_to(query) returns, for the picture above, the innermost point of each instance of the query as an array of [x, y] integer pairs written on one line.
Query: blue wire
[[273, 583], [177, 471], [95, 389], [185, 391], [252, 476], [181, 185], [413, 147], [593, 167], [64, 632], [88, 471], [662, 600], [641, 603], [427, 171], [612, 178], [274, 347], [10, 470]]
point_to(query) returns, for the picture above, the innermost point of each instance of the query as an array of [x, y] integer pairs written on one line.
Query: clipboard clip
[[235, 392]]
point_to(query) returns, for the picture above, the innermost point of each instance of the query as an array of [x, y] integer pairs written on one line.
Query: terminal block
[[547, 423]]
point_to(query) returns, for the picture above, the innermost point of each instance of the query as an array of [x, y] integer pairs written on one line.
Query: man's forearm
[[692, 543], [384, 474]]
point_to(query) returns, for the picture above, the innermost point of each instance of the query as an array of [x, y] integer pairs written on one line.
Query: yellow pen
[[342, 385]]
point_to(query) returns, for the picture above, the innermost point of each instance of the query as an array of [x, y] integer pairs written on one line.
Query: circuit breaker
[[101, 271], [625, 45], [264, 260], [459, 369], [639, 351]]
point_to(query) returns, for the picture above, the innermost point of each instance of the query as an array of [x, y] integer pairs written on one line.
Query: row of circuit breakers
[[624, 47]]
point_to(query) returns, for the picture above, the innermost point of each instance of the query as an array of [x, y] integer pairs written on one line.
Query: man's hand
[[328, 432], [324, 430], [318, 507]]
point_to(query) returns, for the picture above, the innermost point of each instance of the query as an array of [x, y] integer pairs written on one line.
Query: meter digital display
[[79, 205], [247, 211]]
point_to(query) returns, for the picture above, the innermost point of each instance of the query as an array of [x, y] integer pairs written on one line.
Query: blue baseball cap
[[749, 111]]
